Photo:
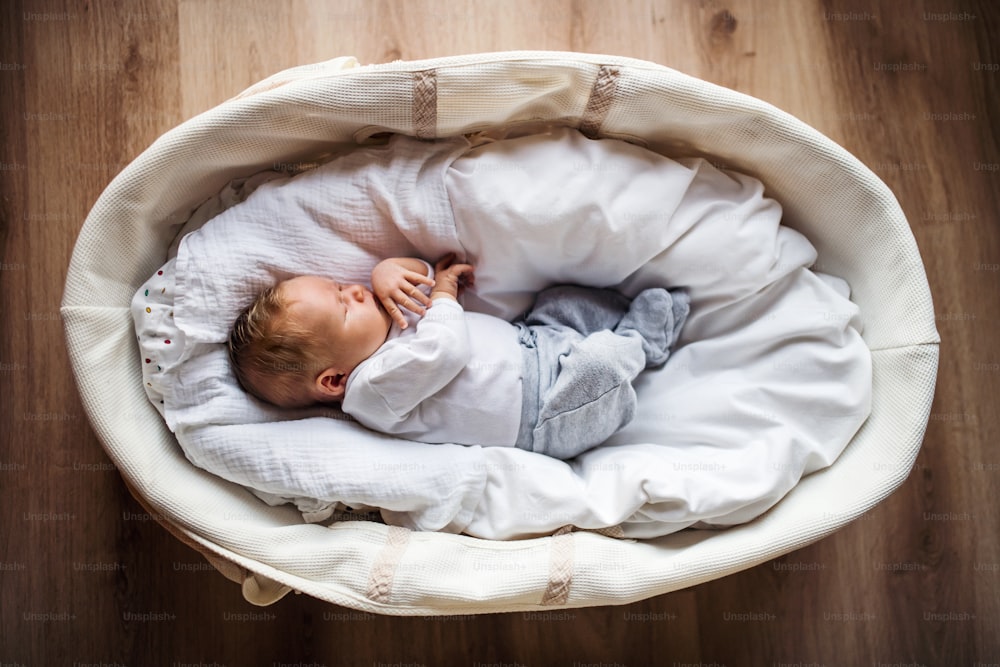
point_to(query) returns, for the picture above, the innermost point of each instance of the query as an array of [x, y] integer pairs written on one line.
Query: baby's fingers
[[394, 312], [462, 270], [404, 301], [445, 262], [413, 292], [415, 278]]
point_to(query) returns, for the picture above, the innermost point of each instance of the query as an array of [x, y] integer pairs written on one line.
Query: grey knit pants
[[582, 348]]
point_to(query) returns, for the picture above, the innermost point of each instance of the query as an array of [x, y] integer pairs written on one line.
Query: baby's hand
[[451, 278], [395, 283]]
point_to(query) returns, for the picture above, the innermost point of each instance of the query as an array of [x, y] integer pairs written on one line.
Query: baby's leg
[[656, 316], [583, 309], [591, 395]]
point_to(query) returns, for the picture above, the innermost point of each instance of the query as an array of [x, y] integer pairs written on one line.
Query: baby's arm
[[411, 368], [395, 283], [451, 278]]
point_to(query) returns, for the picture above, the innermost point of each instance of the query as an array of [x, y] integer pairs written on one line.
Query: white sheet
[[770, 382]]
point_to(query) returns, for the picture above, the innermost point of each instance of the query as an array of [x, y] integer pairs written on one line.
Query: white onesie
[[557, 382], [449, 377]]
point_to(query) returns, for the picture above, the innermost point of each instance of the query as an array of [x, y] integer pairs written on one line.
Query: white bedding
[[769, 382]]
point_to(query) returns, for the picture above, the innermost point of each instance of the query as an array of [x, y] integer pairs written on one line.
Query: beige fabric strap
[[611, 531], [425, 104], [560, 568], [384, 569], [601, 97]]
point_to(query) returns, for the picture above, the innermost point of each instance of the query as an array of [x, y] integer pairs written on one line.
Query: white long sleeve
[[450, 377], [410, 369]]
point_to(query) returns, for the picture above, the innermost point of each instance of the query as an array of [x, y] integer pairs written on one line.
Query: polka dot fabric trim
[[160, 341]]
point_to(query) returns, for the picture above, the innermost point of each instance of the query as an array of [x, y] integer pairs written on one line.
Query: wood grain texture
[[910, 88]]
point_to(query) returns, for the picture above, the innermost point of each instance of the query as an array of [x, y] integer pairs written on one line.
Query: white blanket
[[769, 382]]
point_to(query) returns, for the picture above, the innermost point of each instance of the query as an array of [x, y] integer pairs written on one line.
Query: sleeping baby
[[404, 358]]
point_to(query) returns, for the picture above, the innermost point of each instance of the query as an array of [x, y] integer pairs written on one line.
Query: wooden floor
[[911, 88]]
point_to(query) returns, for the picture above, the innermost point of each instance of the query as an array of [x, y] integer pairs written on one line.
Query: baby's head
[[298, 342]]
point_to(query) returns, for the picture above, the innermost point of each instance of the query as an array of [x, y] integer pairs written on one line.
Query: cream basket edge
[[296, 115]]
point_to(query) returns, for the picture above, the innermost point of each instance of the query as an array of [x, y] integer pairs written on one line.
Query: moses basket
[[848, 214]]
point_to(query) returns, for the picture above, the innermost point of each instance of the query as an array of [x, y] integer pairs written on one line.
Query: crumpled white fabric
[[769, 381]]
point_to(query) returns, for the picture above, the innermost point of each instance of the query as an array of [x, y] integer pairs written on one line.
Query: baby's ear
[[331, 384]]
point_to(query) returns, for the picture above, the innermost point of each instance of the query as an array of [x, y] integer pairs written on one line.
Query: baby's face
[[347, 317]]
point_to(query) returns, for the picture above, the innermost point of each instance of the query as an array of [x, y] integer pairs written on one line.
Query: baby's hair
[[272, 356]]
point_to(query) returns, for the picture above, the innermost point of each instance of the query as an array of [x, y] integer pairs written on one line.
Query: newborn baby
[[405, 358]]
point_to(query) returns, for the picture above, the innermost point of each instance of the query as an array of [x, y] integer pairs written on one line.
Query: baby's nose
[[356, 292]]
